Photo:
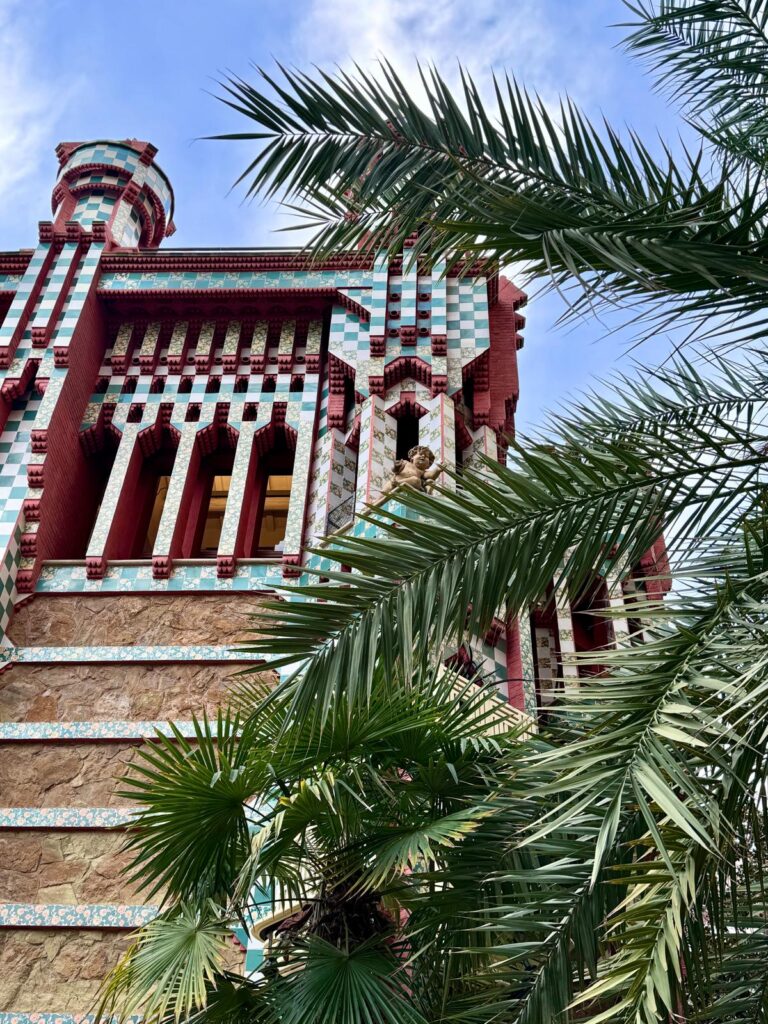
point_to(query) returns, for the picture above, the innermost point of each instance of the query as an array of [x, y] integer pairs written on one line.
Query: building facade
[[178, 426]]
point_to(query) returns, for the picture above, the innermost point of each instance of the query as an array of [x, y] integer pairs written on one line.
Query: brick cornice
[[15, 262], [144, 262]]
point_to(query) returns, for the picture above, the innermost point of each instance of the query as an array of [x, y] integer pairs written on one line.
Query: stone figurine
[[419, 470]]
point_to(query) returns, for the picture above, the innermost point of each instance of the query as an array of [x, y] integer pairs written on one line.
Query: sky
[[72, 70]]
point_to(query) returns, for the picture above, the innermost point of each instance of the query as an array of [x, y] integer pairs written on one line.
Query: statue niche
[[419, 470]]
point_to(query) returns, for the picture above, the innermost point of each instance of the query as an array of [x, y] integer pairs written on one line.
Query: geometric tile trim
[[137, 652], [60, 915], [65, 817], [117, 730], [67, 579], [58, 1018], [231, 280]]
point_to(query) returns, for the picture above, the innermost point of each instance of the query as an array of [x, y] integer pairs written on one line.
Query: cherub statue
[[418, 470]]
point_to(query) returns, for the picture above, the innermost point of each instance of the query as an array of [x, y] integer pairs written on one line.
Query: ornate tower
[[177, 427], [117, 183]]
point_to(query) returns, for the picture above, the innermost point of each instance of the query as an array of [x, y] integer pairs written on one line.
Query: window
[[214, 518], [89, 484], [158, 504], [407, 434], [274, 518]]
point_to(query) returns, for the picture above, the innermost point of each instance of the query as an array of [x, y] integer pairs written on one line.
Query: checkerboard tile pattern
[[23, 292], [438, 286], [73, 306], [408, 285], [9, 566], [95, 206], [103, 153], [15, 451], [61, 268]]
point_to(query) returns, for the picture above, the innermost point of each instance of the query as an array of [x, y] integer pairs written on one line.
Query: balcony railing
[[341, 516]]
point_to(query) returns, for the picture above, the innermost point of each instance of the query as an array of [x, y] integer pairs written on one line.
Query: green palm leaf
[[573, 201], [166, 972], [595, 496]]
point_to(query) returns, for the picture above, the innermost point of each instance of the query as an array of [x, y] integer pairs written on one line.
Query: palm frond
[[167, 971], [340, 986], [362, 164], [595, 497], [713, 57]]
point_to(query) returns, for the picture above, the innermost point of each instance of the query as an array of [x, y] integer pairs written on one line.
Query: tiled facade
[[117, 356]]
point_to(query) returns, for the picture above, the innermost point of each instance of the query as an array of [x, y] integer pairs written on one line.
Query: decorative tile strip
[[11, 732], [68, 579], [194, 281], [65, 817], [137, 652], [80, 915], [59, 1018]]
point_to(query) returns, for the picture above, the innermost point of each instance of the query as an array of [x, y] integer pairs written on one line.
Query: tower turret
[[117, 183]]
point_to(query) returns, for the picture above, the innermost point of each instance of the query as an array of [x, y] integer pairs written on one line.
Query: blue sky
[[82, 69]]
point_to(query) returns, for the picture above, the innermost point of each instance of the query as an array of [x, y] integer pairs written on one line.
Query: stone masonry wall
[[65, 774], [90, 620], [66, 867], [94, 693], [56, 969]]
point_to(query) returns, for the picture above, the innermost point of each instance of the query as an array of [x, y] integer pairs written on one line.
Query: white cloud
[[484, 35], [32, 101]]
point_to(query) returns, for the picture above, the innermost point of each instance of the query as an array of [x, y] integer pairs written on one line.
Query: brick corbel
[[25, 581], [28, 545], [40, 441], [95, 567], [161, 567], [378, 344], [31, 507], [225, 566], [291, 566]]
